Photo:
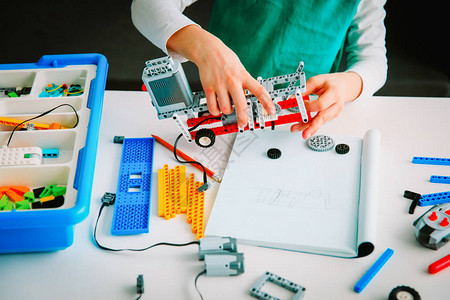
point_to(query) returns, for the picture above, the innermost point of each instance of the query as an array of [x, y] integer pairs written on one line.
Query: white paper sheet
[[304, 201]]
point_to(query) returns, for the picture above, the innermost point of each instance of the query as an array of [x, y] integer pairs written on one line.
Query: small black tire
[[404, 292], [205, 138]]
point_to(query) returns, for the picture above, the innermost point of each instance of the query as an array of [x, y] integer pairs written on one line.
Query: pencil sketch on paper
[[315, 199]]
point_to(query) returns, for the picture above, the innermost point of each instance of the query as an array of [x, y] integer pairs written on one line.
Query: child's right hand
[[221, 72]]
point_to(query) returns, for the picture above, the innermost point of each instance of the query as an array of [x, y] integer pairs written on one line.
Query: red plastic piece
[[447, 212], [143, 88], [433, 216], [439, 265], [444, 222]]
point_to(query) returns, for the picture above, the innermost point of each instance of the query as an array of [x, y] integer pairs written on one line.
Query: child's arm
[[221, 73], [366, 59]]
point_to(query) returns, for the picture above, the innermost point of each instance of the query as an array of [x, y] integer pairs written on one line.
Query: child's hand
[[222, 74], [333, 91]]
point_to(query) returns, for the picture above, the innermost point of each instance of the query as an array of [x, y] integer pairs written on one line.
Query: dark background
[[416, 40]]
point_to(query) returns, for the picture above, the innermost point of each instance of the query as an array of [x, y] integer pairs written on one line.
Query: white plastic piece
[[183, 128], [20, 156], [301, 105], [260, 115], [251, 122]]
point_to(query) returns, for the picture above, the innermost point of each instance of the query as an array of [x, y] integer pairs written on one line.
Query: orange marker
[[187, 157]]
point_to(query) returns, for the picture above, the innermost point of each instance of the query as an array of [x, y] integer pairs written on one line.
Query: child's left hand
[[333, 91]]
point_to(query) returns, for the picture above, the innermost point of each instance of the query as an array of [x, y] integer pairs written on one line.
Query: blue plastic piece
[[52, 229], [374, 269], [440, 179], [431, 161], [50, 153], [433, 199], [134, 187]]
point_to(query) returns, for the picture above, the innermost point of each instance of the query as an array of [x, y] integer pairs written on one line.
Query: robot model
[[172, 97]]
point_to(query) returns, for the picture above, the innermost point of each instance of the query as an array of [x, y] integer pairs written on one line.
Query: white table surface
[[409, 127]]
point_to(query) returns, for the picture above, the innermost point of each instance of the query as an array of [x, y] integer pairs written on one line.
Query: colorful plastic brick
[[190, 196], [181, 172], [50, 153], [47, 198], [20, 156], [163, 189], [431, 160], [53, 90], [256, 290], [374, 269], [23, 205], [172, 194], [20, 190], [440, 179], [3, 201], [433, 199], [132, 206], [13, 196], [48, 191]]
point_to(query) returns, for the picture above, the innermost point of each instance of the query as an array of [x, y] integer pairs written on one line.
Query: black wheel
[[205, 138], [404, 293]]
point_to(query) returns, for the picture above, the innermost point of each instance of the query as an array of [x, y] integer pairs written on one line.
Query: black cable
[[41, 115], [195, 283], [126, 249], [205, 179]]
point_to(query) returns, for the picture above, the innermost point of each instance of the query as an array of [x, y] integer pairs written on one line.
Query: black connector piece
[[118, 139], [140, 284], [108, 199]]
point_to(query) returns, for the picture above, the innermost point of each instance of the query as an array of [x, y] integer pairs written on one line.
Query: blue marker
[[367, 277]]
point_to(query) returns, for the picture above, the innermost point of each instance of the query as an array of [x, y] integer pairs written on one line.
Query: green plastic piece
[[48, 191], [59, 191], [3, 202], [9, 206], [23, 205], [13, 95], [29, 196], [27, 155]]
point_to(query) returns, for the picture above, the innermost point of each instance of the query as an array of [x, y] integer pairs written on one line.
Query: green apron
[[272, 36]]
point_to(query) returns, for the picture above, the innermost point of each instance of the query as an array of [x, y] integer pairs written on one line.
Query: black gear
[[274, 153], [342, 148], [404, 292]]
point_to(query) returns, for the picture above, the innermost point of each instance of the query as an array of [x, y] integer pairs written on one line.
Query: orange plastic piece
[[20, 190], [13, 196], [39, 126], [48, 198], [55, 126]]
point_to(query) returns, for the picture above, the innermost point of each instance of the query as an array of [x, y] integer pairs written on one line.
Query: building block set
[[132, 204], [23, 198], [47, 165], [172, 97], [179, 195]]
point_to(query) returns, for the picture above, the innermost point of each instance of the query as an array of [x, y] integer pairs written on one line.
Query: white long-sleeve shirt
[[158, 20]]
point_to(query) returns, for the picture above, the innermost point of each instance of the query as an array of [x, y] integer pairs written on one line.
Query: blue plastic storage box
[[27, 90]]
